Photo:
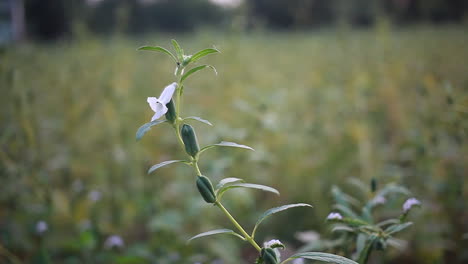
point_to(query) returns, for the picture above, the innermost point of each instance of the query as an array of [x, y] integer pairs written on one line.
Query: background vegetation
[[323, 90], [318, 108]]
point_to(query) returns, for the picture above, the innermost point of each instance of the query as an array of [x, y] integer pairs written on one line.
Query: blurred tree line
[[49, 19]]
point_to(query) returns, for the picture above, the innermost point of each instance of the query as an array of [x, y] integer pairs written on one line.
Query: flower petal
[[152, 101], [166, 95], [161, 109]]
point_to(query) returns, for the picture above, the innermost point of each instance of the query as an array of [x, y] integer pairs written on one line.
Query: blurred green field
[[319, 108]]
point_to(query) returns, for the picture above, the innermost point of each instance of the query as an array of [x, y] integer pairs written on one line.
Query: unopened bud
[[206, 189], [190, 140], [171, 113], [268, 256]]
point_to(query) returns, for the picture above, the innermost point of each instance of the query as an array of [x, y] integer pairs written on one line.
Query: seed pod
[[171, 113], [373, 184], [268, 256], [190, 140], [206, 189]]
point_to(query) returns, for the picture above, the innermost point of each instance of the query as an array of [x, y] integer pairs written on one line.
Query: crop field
[[319, 108]]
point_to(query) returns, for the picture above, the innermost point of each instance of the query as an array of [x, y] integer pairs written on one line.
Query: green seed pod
[[190, 140], [206, 189], [373, 184], [268, 256], [171, 113]]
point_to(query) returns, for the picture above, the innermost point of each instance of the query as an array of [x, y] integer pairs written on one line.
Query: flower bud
[[206, 189], [190, 140], [268, 256], [373, 184], [171, 113]]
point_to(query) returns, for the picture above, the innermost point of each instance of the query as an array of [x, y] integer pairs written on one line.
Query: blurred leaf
[[275, 210], [202, 53], [365, 252], [216, 232], [164, 163], [228, 181], [159, 49], [319, 256], [222, 190], [194, 70], [226, 144], [388, 222], [146, 127], [393, 189], [346, 211], [199, 119], [178, 50], [397, 228]]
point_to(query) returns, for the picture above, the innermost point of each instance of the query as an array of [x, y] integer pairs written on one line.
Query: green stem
[[197, 169], [238, 226]]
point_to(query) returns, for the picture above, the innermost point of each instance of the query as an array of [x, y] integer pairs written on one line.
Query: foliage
[[385, 104]]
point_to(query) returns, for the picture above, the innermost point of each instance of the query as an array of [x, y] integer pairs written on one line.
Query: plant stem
[[197, 169], [238, 226]]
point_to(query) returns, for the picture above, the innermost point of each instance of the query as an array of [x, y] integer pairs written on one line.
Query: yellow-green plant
[[169, 104]]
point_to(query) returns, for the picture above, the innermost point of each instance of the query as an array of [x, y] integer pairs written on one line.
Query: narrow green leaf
[[199, 119], [146, 127], [216, 232], [320, 256], [393, 189], [202, 53], [226, 144], [222, 190], [388, 222], [228, 181], [346, 211], [342, 228], [165, 163], [195, 69], [365, 252], [178, 50], [275, 210], [159, 49], [397, 228]]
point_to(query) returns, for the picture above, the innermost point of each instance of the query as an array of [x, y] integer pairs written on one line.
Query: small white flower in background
[[94, 195], [334, 216], [41, 227], [379, 200], [158, 105], [114, 241], [410, 203], [298, 261], [273, 243]]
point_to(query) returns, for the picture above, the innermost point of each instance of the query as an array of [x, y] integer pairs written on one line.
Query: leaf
[[159, 49], [194, 70], [348, 212], [393, 189], [320, 256], [275, 210], [397, 228], [388, 222], [202, 53], [226, 144], [228, 181], [199, 119], [365, 252], [343, 228], [179, 51], [216, 232], [146, 127], [222, 190], [165, 163]]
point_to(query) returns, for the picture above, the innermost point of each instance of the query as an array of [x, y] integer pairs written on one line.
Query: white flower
[[114, 241], [334, 216], [158, 105], [94, 195], [410, 203], [379, 200], [41, 227]]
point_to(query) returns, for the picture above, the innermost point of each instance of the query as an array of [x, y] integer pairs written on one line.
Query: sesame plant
[[169, 104], [361, 230]]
